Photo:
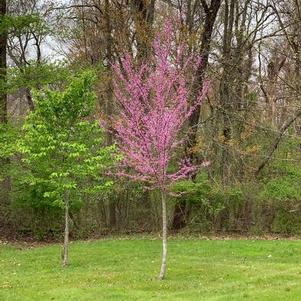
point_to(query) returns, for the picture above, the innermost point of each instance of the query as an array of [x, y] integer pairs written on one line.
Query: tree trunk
[[164, 236], [109, 100], [143, 15], [5, 183], [29, 99], [3, 44], [181, 211], [66, 236], [226, 89]]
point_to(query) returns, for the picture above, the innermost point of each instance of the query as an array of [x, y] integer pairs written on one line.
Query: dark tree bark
[[29, 99], [109, 96], [5, 183], [143, 15], [181, 208], [226, 93], [3, 44], [211, 14]]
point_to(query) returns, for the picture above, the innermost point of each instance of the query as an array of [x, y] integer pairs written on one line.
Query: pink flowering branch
[[154, 105]]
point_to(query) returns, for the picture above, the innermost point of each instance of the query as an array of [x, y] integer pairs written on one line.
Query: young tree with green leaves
[[63, 148]]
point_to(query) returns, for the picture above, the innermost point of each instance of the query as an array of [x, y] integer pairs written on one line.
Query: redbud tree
[[154, 105]]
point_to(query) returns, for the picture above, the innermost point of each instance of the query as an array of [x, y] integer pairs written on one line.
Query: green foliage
[[63, 152], [8, 147], [8, 134], [206, 198], [287, 219], [19, 25], [211, 195], [283, 183], [281, 189], [36, 75], [213, 207], [194, 192]]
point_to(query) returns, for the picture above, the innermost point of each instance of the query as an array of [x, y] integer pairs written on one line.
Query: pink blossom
[[154, 106]]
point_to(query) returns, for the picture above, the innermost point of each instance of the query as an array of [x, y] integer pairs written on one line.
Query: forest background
[[248, 126]]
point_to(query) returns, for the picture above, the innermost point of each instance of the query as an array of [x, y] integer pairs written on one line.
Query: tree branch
[[276, 142]]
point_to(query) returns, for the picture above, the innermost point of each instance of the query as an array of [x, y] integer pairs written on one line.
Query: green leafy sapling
[[63, 148]]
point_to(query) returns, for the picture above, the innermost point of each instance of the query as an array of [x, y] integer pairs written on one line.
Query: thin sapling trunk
[[66, 234], [164, 236]]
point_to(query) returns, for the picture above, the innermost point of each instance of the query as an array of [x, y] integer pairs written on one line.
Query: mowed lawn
[[127, 269]]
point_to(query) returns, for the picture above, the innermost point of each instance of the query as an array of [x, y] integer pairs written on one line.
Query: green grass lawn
[[127, 269]]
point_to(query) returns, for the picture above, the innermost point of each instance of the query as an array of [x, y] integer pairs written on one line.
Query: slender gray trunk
[[66, 235], [164, 236]]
